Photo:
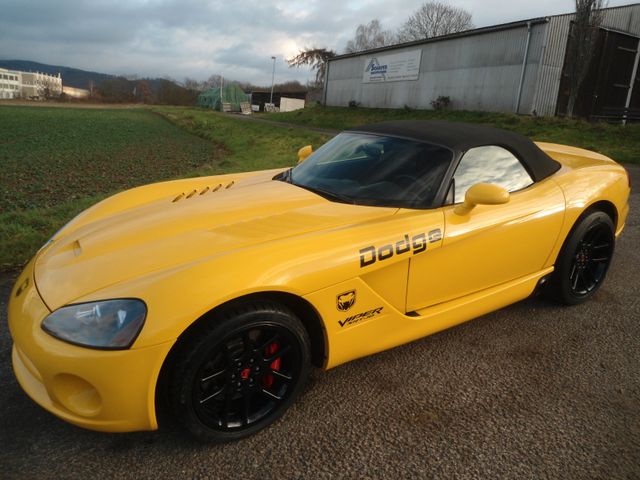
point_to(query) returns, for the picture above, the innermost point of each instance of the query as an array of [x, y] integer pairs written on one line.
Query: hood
[[174, 231]]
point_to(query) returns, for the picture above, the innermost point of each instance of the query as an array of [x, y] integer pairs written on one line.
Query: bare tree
[[316, 58], [433, 19], [192, 84], [214, 81], [582, 39], [369, 36]]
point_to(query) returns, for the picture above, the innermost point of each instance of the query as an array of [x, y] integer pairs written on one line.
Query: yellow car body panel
[[377, 277]]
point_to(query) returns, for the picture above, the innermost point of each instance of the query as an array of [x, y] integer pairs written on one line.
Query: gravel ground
[[531, 391]]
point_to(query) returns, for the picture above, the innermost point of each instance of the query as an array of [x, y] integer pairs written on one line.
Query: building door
[[609, 77]]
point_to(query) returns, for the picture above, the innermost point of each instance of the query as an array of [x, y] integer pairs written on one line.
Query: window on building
[[491, 164]]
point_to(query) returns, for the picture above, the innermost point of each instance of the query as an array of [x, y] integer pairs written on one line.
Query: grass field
[[48, 156], [622, 143], [55, 162]]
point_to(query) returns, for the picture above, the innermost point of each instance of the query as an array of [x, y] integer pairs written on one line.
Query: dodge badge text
[[370, 255]]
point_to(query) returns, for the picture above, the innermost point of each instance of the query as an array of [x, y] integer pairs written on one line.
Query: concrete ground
[[531, 391]]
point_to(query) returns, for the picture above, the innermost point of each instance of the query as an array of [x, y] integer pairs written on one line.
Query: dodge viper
[[212, 298]]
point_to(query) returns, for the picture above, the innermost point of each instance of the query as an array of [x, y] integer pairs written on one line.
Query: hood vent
[[203, 191]]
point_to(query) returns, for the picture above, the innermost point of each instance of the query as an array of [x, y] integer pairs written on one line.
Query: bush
[[441, 103]]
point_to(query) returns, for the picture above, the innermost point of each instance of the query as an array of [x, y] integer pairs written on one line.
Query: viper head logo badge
[[345, 300]]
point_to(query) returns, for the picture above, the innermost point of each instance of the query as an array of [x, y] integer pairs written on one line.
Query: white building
[[15, 84], [39, 85], [9, 84], [75, 92]]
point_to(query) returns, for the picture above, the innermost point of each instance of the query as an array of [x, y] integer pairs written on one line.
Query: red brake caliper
[[271, 349]]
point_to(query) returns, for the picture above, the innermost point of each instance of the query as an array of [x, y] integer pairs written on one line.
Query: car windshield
[[367, 169]]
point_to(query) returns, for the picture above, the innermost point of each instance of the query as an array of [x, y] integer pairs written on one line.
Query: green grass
[[622, 143], [52, 155], [56, 162], [248, 145]]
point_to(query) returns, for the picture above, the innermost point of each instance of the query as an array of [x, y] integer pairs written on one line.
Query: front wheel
[[583, 262], [240, 373]]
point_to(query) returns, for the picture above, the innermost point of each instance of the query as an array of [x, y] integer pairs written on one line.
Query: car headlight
[[109, 324]]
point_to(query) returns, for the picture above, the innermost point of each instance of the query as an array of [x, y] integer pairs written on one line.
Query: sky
[[198, 38]]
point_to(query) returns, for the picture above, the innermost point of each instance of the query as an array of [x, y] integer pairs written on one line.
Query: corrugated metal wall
[[625, 19], [478, 71]]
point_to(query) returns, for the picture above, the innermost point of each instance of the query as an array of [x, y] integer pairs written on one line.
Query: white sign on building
[[392, 68]]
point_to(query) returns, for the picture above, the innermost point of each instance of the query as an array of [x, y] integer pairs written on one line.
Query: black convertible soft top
[[460, 137]]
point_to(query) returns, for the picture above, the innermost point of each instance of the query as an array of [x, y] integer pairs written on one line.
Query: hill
[[73, 77], [112, 88]]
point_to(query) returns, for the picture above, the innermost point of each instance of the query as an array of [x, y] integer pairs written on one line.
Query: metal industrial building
[[514, 67]]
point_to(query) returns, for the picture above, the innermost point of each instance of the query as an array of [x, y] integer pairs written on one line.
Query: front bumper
[[102, 390]]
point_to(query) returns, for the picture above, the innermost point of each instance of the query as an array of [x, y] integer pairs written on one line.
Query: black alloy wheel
[[591, 259], [242, 374], [584, 259]]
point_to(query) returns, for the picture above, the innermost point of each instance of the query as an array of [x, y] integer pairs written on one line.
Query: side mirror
[[482, 194], [304, 152]]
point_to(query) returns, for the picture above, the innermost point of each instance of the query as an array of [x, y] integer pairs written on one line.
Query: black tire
[[584, 259], [240, 372]]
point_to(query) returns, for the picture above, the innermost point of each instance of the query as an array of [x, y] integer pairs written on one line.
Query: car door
[[492, 244]]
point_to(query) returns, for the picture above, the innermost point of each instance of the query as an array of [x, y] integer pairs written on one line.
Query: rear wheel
[[584, 260], [241, 373]]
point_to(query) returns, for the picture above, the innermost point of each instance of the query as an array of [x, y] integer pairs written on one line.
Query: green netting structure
[[231, 94]]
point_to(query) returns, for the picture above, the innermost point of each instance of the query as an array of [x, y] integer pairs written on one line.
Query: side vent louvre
[[206, 189]]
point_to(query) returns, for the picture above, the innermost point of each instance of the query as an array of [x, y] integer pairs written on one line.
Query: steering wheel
[[404, 180]]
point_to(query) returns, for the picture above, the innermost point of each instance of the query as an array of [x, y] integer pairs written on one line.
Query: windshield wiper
[[328, 195], [284, 176], [287, 177]]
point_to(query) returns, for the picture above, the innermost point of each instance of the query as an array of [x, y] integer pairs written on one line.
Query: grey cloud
[[199, 37]]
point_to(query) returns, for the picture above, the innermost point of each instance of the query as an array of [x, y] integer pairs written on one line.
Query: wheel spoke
[[246, 407], [212, 376], [228, 401], [228, 353], [271, 340], [574, 284], [213, 395], [248, 343], [573, 271], [270, 394], [281, 375], [278, 354], [599, 259]]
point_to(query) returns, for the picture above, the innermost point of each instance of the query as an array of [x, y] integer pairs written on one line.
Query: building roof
[[466, 33], [461, 137]]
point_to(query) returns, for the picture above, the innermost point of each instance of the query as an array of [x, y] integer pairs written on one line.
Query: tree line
[[166, 91]]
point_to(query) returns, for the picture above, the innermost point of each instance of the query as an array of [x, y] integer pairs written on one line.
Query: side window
[[490, 164]]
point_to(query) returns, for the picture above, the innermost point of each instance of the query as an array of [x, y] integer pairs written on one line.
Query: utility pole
[[273, 76]]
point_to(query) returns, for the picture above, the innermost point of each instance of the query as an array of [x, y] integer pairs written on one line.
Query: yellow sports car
[[210, 298]]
